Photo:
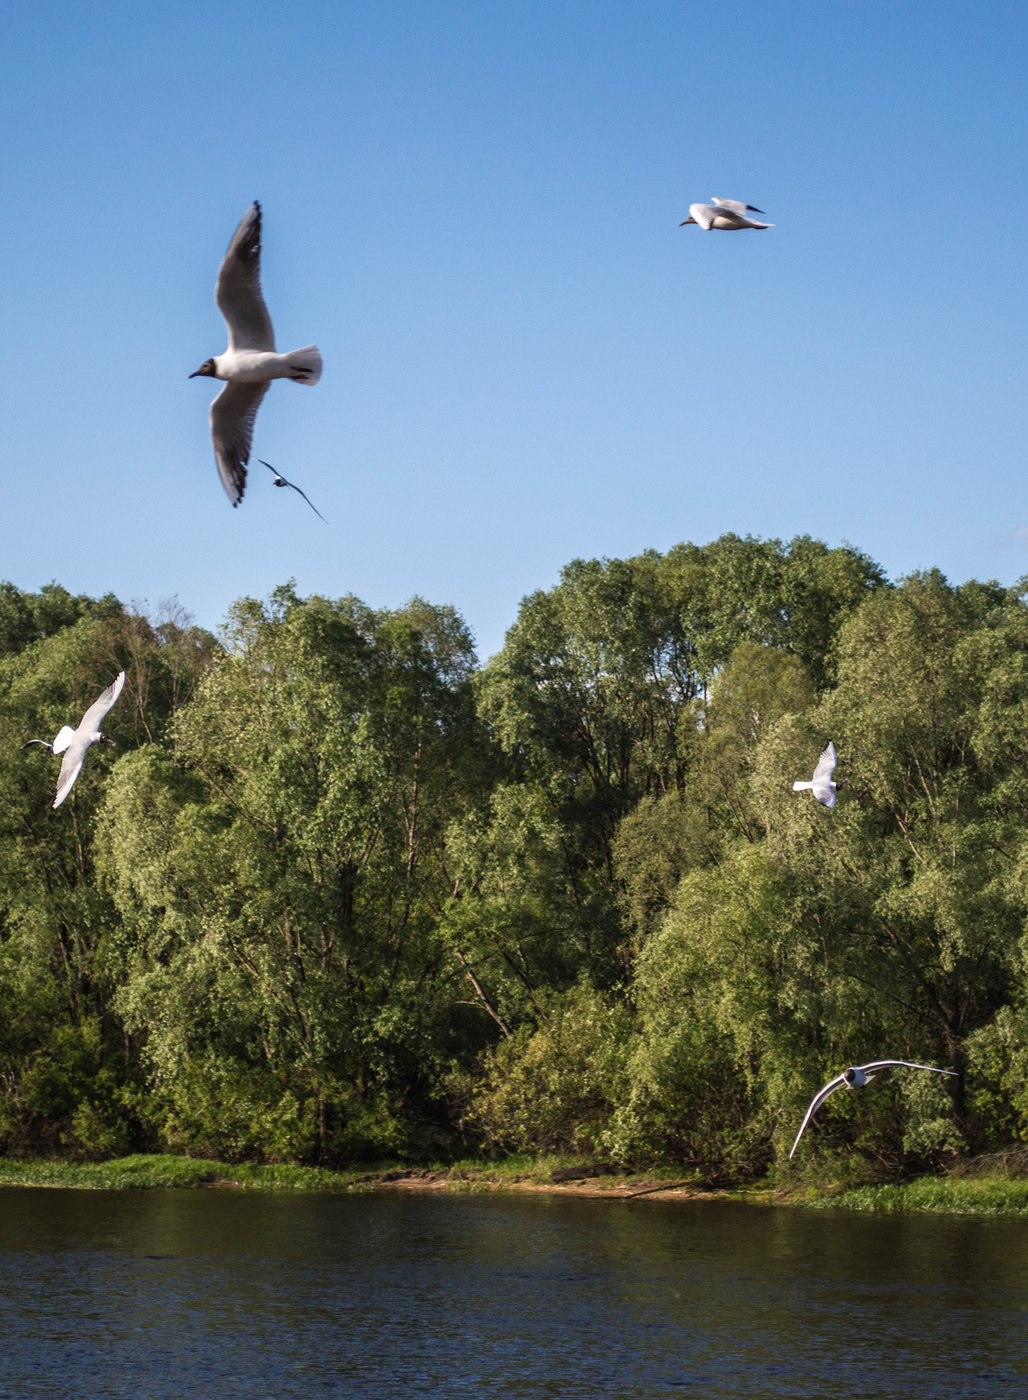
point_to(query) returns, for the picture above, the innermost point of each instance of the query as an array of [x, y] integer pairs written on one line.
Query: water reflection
[[169, 1294]]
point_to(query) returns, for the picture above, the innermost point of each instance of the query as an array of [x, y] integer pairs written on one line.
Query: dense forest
[[342, 893]]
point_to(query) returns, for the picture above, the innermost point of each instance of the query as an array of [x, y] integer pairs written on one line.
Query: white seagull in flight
[[251, 362], [74, 743], [855, 1078], [726, 214], [822, 785]]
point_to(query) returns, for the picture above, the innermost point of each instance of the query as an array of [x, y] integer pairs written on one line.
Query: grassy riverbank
[[156, 1171], [958, 1195], [164, 1171], [941, 1195]]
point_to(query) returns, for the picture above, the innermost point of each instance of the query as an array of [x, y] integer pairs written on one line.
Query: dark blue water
[[207, 1293]]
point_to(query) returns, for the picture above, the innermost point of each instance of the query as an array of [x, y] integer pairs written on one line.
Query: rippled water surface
[[211, 1293]]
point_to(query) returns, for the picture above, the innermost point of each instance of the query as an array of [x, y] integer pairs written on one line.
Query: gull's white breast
[[253, 366]]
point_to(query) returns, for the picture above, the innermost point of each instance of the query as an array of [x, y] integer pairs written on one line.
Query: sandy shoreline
[[593, 1188]]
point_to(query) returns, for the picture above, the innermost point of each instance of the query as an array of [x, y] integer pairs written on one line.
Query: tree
[[280, 878], [63, 1058], [598, 694]]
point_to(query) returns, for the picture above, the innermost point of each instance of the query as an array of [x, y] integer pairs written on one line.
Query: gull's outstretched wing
[[906, 1064], [736, 205], [309, 501], [232, 418], [821, 784], [70, 769], [238, 292], [826, 764], [44, 743], [830, 1088], [91, 719], [703, 214]]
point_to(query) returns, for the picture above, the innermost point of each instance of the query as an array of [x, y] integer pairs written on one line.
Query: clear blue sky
[[473, 209]]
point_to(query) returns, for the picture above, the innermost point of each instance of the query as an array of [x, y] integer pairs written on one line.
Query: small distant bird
[[251, 362], [281, 481], [822, 786], [74, 743], [727, 214], [855, 1078]]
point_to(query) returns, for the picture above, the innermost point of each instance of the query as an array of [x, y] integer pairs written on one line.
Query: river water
[[162, 1294]]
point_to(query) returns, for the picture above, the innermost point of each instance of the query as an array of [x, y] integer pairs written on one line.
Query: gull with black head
[[728, 215], [251, 361], [822, 785], [75, 743], [281, 481], [856, 1077]]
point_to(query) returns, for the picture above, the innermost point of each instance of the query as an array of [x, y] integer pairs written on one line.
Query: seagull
[[822, 785], [855, 1078], [727, 214], [281, 481], [74, 743], [251, 362]]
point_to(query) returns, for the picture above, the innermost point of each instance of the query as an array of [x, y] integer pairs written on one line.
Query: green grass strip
[[941, 1195], [164, 1171], [146, 1171]]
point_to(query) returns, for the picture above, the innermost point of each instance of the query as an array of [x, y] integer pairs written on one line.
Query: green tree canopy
[[340, 893]]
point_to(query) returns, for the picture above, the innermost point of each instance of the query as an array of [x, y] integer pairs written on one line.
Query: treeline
[[341, 893]]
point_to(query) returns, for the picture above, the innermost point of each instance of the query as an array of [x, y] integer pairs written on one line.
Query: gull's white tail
[[802, 787], [63, 739], [308, 362]]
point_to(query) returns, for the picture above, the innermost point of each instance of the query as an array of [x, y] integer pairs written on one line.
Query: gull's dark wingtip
[[309, 501]]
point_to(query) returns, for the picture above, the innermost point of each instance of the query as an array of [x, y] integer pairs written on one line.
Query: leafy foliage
[[341, 894]]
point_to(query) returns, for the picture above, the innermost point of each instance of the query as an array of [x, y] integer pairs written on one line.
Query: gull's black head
[[279, 480], [104, 740], [850, 1076], [207, 370]]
